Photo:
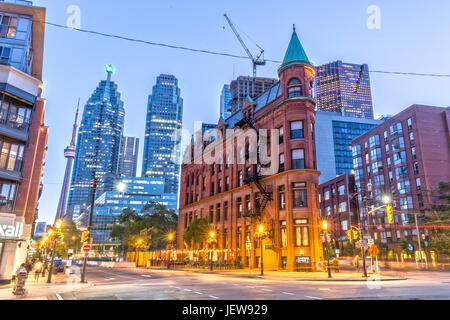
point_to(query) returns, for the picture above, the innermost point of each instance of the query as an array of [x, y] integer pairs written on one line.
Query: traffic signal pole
[[91, 215]]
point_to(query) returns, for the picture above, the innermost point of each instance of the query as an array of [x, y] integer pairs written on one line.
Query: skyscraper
[[163, 133], [69, 154], [248, 86], [225, 101], [129, 150], [344, 88], [23, 134], [98, 143]]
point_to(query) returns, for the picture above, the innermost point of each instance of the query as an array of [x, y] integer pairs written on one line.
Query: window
[[299, 195], [411, 137], [248, 204], [385, 136], [297, 130], [413, 153], [295, 88], [342, 207], [219, 186], [409, 122], [239, 207], [5, 54], [298, 159], [11, 157], [341, 190], [301, 233], [227, 183], [218, 213], [7, 196], [212, 188], [418, 183], [281, 135], [281, 168], [211, 214], [225, 211], [327, 195], [281, 198], [416, 168], [8, 27], [283, 234], [240, 181]]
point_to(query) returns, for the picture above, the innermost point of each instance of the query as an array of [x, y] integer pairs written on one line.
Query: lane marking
[[187, 290], [59, 296], [288, 293], [324, 289], [234, 284], [197, 292], [111, 279], [311, 297], [268, 290], [214, 297], [177, 288], [146, 275], [250, 287]]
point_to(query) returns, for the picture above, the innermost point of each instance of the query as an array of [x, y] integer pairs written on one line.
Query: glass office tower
[[344, 88], [98, 143], [225, 102], [163, 133]]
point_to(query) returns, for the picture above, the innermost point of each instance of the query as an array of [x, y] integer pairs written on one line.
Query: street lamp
[[55, 235], [210, 241], [170, 238], [261, 235], [139, 243], [121, 187], [387, 199], [325, 231]]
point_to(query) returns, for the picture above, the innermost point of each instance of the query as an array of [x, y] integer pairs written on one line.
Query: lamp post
[[210, 241], [325, 231], [55, 235], [261, 235], [170, 238], [139, 243], [91, 216]]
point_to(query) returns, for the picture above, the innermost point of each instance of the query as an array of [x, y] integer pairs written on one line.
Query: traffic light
[[355, 234], [84, 237], [390, 214], [349, 235]]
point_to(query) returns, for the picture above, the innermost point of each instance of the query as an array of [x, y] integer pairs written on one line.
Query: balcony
[[15, 127]]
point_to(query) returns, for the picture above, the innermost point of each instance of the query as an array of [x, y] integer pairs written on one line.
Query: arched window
[[295, 88]]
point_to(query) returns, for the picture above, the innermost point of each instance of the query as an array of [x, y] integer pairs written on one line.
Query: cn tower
[[69, 154]]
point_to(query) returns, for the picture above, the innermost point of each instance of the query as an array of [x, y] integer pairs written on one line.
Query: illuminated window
[[295, 88]]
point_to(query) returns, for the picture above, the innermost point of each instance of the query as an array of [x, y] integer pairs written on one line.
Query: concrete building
[[236, 196], [244, 86], [406, 158], [129, 151], [344, 88], [23, 135], [334, 136]]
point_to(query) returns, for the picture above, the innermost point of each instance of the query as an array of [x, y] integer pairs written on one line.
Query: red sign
[[87, 248]]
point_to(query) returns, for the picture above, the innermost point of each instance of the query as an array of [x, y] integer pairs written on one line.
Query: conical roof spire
[[295, 52]]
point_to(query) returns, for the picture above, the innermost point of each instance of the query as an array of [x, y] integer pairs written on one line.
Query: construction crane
[[256, 61]]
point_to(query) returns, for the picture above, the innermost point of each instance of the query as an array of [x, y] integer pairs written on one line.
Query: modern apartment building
[[225, 101], [98, 143], [344, 88], [23, 135], [162, 154], [236, 196], [334, 136], [405, 158]]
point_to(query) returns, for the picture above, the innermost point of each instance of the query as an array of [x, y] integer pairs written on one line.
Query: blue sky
[[413, 38]]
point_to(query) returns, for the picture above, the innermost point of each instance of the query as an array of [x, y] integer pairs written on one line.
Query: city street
[[142, 284]]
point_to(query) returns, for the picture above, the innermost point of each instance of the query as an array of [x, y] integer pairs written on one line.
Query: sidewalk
[[41, 290], [291, 275]]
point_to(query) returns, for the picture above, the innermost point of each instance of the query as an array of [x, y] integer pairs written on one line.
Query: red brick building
[[405, 158], [237, 197], [339, 205], [23, 135]]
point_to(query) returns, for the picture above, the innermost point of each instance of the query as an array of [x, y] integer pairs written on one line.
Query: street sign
[[248, 245], [87, 248], [370, 242], [362, 243], [374, 251]]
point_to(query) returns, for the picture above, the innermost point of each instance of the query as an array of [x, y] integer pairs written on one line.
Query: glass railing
[[16, 122]]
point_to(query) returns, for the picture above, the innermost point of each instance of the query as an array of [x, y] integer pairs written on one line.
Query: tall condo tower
[[98, 144], [69, 154], [163, 133]]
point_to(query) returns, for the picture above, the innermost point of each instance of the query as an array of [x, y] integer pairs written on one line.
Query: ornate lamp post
[[170, 238], [260, 235], [138, 245]]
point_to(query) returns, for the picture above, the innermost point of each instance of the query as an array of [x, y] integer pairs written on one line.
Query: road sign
[[362, 243], [87, 248], [248, 245], [268, 247], [370, 242], [374, 251]]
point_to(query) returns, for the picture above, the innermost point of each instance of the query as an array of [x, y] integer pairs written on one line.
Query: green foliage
[[197, 232], [439, 234], [151, 226]]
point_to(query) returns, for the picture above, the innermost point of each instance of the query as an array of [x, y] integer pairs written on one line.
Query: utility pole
[[91, 215]]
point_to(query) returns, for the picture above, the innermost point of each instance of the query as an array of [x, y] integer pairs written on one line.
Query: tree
[[151, 226], [439, 235], [197, 232]]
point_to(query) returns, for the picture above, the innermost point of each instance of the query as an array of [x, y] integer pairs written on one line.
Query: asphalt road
[[131, 284]]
